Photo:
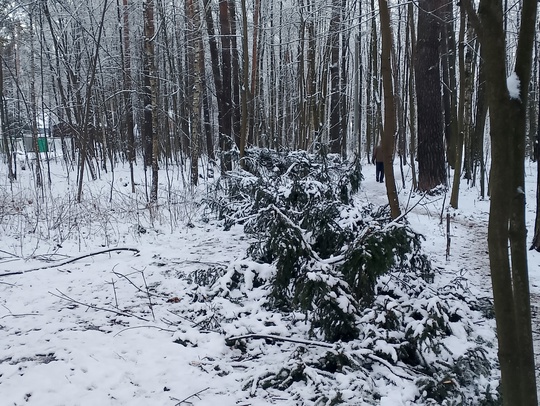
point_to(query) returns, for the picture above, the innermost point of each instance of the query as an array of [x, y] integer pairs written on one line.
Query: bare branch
[[71, 260]]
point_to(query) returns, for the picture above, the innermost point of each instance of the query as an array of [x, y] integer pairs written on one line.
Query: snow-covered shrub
[[360, 280]]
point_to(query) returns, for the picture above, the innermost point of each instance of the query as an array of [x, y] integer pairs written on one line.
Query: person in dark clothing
[[377, 159]]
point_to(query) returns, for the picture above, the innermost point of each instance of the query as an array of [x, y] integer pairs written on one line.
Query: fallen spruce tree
[[342, 273]]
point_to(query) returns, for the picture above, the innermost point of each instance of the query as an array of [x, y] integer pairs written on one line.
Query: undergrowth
[[359, 279]]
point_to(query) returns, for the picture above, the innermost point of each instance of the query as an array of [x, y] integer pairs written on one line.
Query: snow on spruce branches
[[322, 268]]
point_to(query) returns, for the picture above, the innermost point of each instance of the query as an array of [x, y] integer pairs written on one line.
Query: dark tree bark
[[334, 43], [431, 159], [245, 83], [412, 97], [150, 108], [3, 116], [195, 63], [216, 70], [478, 160], [226, 137], [389, 109], [126, 72], [235, 74], [509, 272], [450, 89]]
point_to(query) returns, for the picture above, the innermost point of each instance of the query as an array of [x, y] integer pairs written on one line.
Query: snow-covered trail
[[469, 255]]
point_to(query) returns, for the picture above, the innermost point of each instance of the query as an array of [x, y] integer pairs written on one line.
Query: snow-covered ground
[[111, 328]]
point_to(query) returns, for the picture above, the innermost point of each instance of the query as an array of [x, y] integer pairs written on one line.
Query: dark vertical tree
[[33, 102], [225, 93], [507, 234], [335, 131], [430, 151], [195, 61], [449, 77], [126, 76], [150, 106], [389, 132], [7, 149], [245, 82], [412, 95]]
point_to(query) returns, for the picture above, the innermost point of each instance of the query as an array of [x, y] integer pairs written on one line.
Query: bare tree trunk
[[536, 239], [235, 75], [311, 88], [245, 83], [126, 72], [194, 34], [431, 160], [450, 90], [465, 93], [33, 105], [151, 112], [336, 140], [226, 138], [412, 98], [254, 72], [509, 271], [389, 109], [478, 132], [4, 125]]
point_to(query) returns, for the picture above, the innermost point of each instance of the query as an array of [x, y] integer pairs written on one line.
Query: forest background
[[194, 84]]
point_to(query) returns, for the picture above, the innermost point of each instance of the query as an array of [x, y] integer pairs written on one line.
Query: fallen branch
[[191, 396], [230, 341], [134, 327], [71, 260], [135, 286], [65, 297]]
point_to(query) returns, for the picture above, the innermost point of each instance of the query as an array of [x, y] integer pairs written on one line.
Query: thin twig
[[231, 340], [134, 327], [135, 286], [63, 296], [72, 260], [191, 396], [150, 304], [20, 315], [114, 290]]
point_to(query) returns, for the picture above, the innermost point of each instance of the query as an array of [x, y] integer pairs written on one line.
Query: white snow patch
[[514, 86]]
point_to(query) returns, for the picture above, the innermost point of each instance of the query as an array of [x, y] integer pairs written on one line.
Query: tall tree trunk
[[431, 157], [151, 112], [465, 93], [6, 138], [311, 87], [245, 83], [334, 45], [343, 80], [536, 239], [509, 273], [235, 75], [254, 72], [389, 109], [33, 105], [196, 60], [216, 71], [478, 132], [450, 89], [226, 138], [412, 96], [126, 72]]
